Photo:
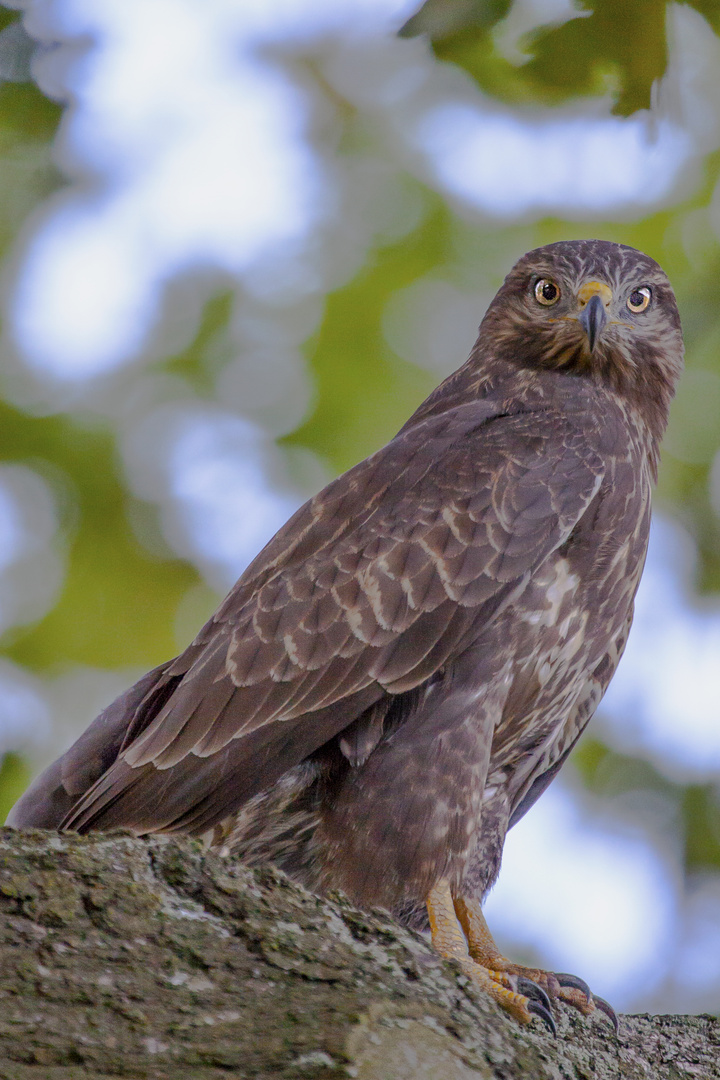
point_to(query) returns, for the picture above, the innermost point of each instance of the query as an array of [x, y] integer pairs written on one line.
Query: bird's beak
[[594, 299]]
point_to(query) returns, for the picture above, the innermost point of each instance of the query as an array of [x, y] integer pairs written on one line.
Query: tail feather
[[51, 797]]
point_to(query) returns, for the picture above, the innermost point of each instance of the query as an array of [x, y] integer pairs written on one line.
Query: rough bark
[[155, 959]]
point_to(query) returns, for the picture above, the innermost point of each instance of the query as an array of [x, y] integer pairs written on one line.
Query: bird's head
[[589, 308]]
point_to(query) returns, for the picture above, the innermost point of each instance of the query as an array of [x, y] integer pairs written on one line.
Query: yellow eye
[[546, 292], [639, 299]]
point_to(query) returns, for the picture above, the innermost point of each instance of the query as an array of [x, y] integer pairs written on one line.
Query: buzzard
[[405, 666]]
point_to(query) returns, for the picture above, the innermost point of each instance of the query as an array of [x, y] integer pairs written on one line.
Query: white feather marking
[[370, 586]]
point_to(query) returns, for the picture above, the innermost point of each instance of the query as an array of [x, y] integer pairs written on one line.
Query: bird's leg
[[482, 949], [450, 941]]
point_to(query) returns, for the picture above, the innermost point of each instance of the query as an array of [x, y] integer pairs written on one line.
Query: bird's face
[[592, 308]]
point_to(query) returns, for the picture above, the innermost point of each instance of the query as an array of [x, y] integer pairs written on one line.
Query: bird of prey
[[406, 665]]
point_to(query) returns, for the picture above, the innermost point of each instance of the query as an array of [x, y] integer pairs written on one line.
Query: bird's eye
[[639, 299], [546, 292]]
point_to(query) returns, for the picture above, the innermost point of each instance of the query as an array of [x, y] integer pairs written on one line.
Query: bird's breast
[[573, 609]]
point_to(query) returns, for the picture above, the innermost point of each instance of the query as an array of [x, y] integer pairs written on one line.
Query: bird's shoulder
[[454, 506], [377, 580]]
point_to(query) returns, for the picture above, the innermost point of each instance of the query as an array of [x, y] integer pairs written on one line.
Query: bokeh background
[[241, 240]]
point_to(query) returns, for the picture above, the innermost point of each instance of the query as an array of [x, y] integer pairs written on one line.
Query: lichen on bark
[[156, 959]]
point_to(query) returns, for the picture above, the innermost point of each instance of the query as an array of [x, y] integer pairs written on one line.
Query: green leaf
[[441, 19], [609, 44], [623, 44]]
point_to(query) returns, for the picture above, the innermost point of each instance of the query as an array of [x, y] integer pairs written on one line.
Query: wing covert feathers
[[369, 589]]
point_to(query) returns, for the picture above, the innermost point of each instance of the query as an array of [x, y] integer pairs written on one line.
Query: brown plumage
[[405, 666]]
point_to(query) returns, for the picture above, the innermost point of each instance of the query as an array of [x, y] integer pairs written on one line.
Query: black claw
[[574, 982], [606, 1008], [537, 1009], [532, 991]]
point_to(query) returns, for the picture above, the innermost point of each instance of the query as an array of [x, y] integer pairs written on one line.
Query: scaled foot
[[459, 932]]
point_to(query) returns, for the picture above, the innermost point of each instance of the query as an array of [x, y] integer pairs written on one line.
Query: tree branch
[[131, 958]]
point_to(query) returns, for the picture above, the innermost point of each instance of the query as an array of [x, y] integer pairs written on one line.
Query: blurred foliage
[[118, 601], [608, 43], [696, 807], [121, 592], [14, 778], [350, 353]]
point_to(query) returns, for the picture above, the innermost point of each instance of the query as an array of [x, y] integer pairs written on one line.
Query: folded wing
[[370, 588]]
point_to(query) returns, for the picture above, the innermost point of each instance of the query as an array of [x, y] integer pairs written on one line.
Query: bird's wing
[[365, 592]]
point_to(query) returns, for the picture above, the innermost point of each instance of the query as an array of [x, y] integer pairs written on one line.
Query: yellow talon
[[450, 941]]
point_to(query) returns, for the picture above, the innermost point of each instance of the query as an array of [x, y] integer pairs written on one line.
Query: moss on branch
[[155, 959]]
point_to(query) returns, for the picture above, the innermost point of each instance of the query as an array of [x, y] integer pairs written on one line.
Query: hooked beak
[[595, 299]]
